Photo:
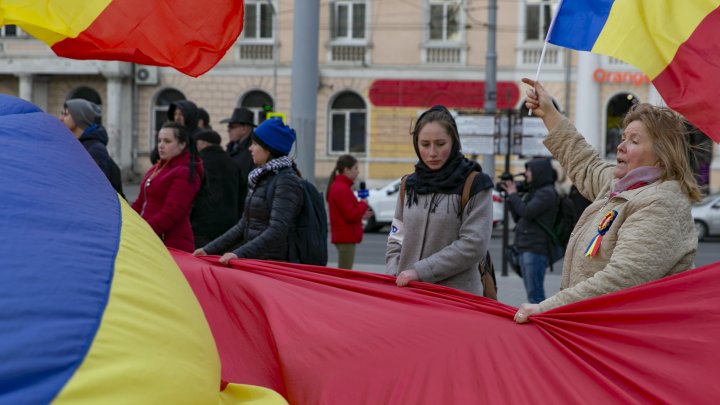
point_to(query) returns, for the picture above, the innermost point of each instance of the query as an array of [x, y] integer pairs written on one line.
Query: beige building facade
[[380, 64]]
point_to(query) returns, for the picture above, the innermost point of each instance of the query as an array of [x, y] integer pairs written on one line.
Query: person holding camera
[[346, 212], [639, 227], [538, 205], [434, 238]]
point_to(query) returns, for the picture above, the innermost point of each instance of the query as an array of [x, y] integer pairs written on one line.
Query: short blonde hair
[[669, 137]]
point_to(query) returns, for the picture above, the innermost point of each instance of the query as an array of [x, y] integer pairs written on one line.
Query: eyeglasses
[[64, 113]]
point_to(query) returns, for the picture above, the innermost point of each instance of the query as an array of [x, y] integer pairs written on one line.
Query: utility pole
[[305, 72], [275, 51], [491, 80]]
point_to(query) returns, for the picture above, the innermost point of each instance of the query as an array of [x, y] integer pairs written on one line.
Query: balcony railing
[[255, 52], [443, 55], [348, 53], [528, 55]]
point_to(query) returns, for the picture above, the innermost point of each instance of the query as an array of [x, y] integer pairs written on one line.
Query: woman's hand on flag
[[541, 104]]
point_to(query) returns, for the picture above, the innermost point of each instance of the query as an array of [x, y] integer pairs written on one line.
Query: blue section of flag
[[578, 23], [60, 230]]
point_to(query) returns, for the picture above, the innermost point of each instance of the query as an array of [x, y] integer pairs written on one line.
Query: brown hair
[[440, 115], [670, 143], [343, 162]]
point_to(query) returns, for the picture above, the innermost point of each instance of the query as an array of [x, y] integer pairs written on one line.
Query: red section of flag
[[191, 36], [452, 94], [689, 84], [321, 336]]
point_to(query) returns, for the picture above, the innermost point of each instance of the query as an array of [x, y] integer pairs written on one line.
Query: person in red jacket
[[346, 212], [169, 188]]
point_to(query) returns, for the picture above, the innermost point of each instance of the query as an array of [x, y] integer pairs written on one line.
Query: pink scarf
[[636, 178]]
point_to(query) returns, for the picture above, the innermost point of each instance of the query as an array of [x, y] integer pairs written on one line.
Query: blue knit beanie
[[275, 136]]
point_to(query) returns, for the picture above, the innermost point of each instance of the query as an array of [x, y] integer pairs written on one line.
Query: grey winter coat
[[652, 237], [443, 248], [267, 220]]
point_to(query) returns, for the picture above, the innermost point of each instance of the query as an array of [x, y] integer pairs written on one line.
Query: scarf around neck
[[274, 165], [450, 179], [643, 175]]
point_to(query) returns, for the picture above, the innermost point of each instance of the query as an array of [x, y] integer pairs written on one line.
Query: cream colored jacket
[[652, 237]]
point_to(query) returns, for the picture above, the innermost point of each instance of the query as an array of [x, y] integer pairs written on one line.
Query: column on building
[[120, 142], [587, 99], [26, 86]]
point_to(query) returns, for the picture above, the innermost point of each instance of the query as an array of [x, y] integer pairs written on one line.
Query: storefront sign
[[605, 76]]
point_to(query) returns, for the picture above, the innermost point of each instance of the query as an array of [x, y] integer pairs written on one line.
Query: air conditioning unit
[[146, 75]]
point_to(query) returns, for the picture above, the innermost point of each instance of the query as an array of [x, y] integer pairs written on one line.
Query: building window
[[617, 108], [538, 15], [89, 94], [348, 32], [11, 31], [348, 125], [160, 110], [258, 20], [258, 102], [445, 20], [347, 20], [445, 36], [86, 93]]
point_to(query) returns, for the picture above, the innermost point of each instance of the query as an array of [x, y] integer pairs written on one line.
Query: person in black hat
[[215, 209], [275, 199], [240, 130]]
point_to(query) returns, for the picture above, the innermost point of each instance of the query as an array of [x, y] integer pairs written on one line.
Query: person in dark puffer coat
[[539, 205], [262, 232], [82, 118]]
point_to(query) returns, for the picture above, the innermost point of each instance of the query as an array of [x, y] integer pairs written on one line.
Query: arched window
[[86, 93], [160, 110], [617, 107], [348, 125], [89, 94], [258, 102]]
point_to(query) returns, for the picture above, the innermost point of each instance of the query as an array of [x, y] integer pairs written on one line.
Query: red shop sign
[[452, 94]]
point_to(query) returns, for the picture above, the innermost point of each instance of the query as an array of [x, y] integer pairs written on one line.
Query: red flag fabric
[[326, 336], [191, 36]]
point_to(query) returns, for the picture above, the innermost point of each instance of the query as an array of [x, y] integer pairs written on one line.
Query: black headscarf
[[450, 178]]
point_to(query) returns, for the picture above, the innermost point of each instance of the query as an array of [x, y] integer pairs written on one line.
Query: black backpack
[[307, 240], [562, 228]]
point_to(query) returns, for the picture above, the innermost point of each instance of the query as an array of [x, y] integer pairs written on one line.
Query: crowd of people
[[634, 223]]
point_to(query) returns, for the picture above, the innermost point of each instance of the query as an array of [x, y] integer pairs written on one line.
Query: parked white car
[[707, 216], [382, 203]]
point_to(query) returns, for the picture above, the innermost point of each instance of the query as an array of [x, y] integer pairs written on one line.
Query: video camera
[[521, 185]]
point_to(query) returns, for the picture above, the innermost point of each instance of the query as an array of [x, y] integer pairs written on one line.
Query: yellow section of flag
[[632, 25], [51, 21]]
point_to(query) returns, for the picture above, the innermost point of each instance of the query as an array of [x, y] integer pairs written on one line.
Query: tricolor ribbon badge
[[605, 224]]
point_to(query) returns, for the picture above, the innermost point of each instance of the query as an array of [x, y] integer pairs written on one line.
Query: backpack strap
[[402, 190], [466, 189]]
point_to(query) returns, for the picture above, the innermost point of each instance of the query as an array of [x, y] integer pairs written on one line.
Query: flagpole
[[545, 44]]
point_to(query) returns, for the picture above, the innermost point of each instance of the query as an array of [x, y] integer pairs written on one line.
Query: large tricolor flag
[[189, 35], [673, 42]]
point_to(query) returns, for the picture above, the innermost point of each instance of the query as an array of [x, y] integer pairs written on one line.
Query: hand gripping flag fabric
[[673, 42], [93, 309], [191, 36]]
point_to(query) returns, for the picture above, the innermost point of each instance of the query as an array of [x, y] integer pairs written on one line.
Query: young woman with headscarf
[[434, 238]]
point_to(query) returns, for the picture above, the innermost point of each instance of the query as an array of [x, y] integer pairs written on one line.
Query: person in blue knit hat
[[274, 200]]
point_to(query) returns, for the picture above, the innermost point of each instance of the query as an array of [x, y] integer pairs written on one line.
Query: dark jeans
[[533, 267]]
